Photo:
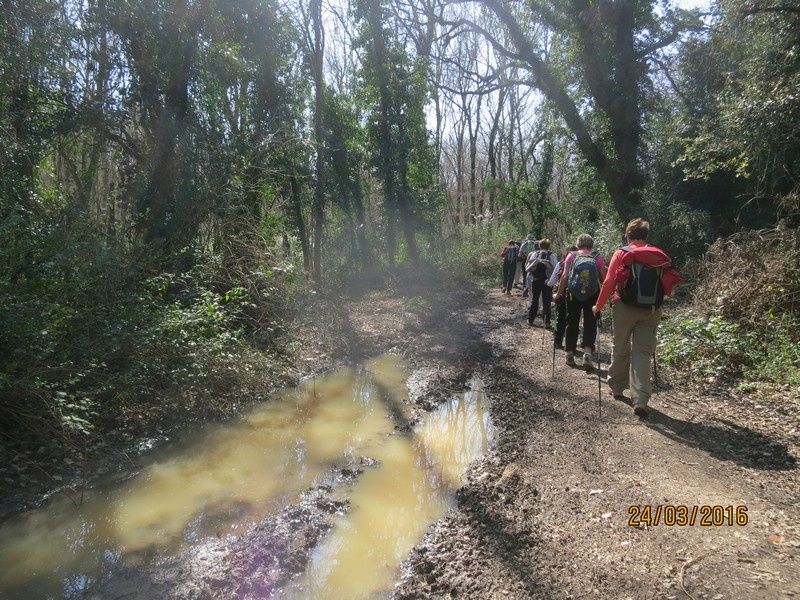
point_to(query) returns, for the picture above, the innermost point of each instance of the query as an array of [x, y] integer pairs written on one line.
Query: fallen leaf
[[776, 538]]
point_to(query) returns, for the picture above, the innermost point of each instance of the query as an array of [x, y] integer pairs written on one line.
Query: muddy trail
[[435, 457]]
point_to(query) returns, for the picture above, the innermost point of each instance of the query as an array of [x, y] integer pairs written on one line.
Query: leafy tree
[[594, 74], [741, 114]]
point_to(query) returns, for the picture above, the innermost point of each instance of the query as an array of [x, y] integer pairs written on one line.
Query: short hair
[[637, 229], [585, 241], [570, 250], [544, 244], [511, 242]]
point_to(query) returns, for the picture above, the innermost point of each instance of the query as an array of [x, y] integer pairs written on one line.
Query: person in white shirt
[[529, 244]]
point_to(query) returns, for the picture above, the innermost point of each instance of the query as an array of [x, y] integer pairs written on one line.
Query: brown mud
[[545, 513]]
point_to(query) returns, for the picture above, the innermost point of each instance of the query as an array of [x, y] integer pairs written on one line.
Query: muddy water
[[231, 477]]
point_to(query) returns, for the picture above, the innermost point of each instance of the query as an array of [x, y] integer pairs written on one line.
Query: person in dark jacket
[[584, 272], [528, 245], [509, 256], [540, 266]]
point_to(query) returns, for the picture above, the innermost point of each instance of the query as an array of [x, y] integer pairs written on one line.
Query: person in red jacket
[[639, 277]]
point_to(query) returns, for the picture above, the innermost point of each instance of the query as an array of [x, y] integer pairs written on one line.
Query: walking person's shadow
[[730, 442]]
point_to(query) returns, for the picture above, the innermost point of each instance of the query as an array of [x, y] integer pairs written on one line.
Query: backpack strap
[[628, 248]]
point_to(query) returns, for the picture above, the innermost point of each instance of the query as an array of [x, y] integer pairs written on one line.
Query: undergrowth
[[710, 346], [97, 334], [474, 252], [744, 321]]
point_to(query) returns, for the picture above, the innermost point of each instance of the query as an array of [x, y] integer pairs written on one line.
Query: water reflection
[[392, 505], [233, 476]]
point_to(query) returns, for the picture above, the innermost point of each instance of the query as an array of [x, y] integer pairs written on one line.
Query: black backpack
[[643, 288]]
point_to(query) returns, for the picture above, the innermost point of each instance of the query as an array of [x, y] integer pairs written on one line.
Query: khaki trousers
[[634, 344]]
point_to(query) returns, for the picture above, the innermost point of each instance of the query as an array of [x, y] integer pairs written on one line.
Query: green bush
[[475, 250], [712, 346], [92, 327]]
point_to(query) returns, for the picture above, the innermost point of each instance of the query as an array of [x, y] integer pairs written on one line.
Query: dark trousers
[[576, 308], [509, 270], [561, 320], [540, 288]]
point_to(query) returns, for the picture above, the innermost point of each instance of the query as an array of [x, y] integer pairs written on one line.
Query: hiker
[[584, 271], [529, 244], [540, 266], [639, 277], [509, 255], [519, 272], [561, 303]]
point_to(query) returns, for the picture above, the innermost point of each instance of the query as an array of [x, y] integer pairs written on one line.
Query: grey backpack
[[542, 264]]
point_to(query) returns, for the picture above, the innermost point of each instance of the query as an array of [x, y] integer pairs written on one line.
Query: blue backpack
[[584, 278]]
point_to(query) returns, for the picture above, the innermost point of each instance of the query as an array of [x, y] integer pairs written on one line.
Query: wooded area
[[177, 174], [251, 341]]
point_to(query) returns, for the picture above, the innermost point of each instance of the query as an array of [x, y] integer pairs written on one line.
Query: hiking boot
[[559, 345], [525, 294], [547, 325], [587, 362], [640, 411], [570, 360], [617, 396]]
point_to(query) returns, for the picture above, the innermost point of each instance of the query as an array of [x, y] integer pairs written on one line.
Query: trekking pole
[[553, 376], [655, 372], [599, 385]]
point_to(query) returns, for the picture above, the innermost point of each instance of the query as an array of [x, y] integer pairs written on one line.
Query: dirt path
[[545, 515]]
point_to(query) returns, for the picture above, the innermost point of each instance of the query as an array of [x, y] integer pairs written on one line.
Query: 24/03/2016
[[681, 515]]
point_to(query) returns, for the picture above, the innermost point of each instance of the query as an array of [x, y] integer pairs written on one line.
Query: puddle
[[231, 477], [393, 504]]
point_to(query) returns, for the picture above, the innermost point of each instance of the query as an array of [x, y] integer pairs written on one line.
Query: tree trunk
[[318, 210], [475, 206], [404, 198], [375, 20], [158, 202], [460, 171], [297, 217], [357, 198], [492, 151]]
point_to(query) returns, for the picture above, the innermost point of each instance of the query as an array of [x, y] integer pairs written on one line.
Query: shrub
[[475, 250], [752, 277], [93, 329], [708, 345], [745, 316]]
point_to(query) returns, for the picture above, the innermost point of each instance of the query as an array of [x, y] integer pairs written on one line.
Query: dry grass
[[752, 277]]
